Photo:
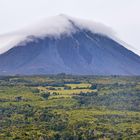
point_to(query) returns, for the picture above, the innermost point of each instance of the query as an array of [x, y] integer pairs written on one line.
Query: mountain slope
[[73, 48]]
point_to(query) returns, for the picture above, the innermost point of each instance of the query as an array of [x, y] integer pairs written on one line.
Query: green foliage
[[66, 107]]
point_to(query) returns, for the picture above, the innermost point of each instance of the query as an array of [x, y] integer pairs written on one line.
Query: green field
[[66, 107]]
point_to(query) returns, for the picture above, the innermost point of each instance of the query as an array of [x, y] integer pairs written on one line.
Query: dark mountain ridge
[[81, 52]]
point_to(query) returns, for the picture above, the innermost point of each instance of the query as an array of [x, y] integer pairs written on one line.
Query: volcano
[[64, 44]]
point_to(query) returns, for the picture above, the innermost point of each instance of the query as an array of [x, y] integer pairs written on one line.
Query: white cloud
[[53, 26]]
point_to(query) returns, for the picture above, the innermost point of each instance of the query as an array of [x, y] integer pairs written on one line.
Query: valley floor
[[66, 107]]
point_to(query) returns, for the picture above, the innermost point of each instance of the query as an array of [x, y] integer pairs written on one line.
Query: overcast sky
[[121, 15]]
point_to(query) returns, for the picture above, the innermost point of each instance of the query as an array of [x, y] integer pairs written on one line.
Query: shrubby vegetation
[[66, 107]]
